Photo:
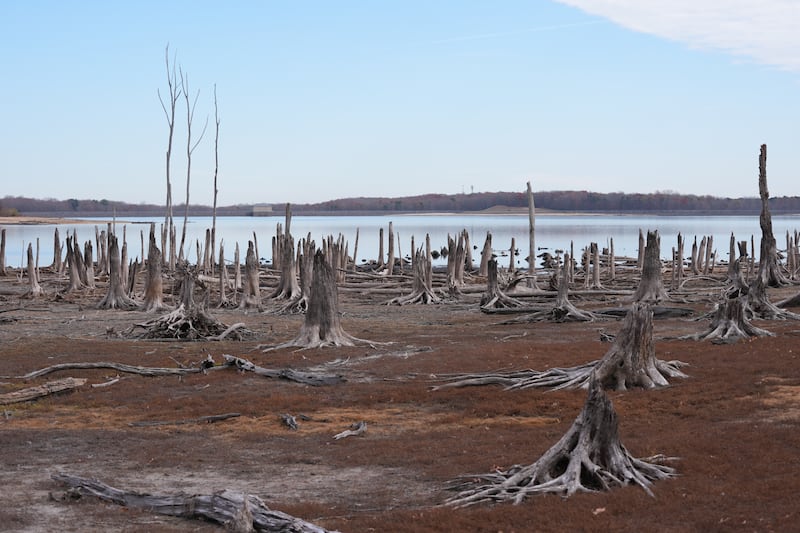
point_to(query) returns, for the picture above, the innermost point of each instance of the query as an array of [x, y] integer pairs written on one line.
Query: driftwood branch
[[39, 391], [236, 510], [199, 420]]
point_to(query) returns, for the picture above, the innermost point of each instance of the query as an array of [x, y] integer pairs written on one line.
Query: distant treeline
[[583, 201]]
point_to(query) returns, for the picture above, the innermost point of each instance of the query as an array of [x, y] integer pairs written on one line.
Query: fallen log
[[307, 378], [236, 510], [210, 419], [39, 391]]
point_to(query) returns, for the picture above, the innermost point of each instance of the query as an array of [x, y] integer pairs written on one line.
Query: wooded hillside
[[583, 201]]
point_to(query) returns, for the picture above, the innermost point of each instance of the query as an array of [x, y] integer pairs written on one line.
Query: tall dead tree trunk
[[486, 255], [57, 265], [169, 112], [651, 284], [390, 257], [3, 252], [769, 270], [589, 458], [455, 265], [216, 190], [116, 297], [88, 263], [154, 285], [73, 266], [531, 239]]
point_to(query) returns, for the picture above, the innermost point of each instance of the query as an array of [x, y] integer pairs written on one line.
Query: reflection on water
[[552, 232]]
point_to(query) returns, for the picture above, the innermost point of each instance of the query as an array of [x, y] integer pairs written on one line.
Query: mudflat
[[732, 426]]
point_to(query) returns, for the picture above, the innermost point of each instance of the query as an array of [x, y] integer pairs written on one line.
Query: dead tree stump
[[321, 326], [154, 285], [116, 297], [730, 322], [651, 284], [251, 295], [422, 288], [34, 289], [589, 458], [494, 297], [769, 270]]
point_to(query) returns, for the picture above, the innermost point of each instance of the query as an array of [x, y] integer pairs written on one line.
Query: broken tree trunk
[[154, 291], [34, 289], [3, 252], [531, 239], [730, 322], [421, 292], [494, 297], [116, 297], [73, 266], [486, 255], [769, 270], [39, 391], [651, 284], [321, 326], [588, 458], [235, 510], [564, 310], [251, 295]]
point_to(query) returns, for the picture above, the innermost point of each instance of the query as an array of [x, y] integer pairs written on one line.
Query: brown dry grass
[[733, 423]]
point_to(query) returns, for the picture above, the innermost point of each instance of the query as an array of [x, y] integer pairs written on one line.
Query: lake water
[[552, 232]]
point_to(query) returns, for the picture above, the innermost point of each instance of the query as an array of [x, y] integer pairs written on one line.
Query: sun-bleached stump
[[251, 295], [494, 297], [322, 326], [422, 288], [769, 270], [589, 458], [651, 285], [34, 288], [116, 296], [730, 323], [288, 287], [154, 284], [299, 303], [629, 363]]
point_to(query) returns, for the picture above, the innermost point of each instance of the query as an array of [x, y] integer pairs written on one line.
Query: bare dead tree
[[88, 263], [456, 260], [57, 265], [531, 239], [3, 252], [116, 297], [73, 266], [589, 458], [190, 146], [216, 173], [173, 94], [651, 284]]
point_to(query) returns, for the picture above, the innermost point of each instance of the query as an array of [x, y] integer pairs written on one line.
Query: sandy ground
[[732, 424]]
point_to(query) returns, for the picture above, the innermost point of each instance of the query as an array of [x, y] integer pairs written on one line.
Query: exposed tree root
[[588, 458]]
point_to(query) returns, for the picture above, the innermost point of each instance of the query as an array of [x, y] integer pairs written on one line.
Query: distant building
[[262, 210]]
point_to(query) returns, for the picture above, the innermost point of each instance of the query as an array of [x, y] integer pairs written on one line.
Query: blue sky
[[323, 99]]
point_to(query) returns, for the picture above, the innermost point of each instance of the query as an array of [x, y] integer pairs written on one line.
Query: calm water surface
[[552, 232]]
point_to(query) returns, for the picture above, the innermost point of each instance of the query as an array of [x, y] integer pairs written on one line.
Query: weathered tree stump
[[651, 284], [769, 270], [422, 285], [321, 326], [251, 295], [154, 284], [494, 297], [730, 322], [588, 458], [116, 296]]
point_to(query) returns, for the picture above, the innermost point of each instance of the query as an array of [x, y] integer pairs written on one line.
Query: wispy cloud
[[535, 29], [765, 31]]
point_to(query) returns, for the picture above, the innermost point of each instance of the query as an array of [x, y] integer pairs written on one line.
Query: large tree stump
[[588, 458], [154, 284], [116, 297], [730, 322], [321, 326], [422, 285], [651, 284], [288, 288], [494, 297]]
